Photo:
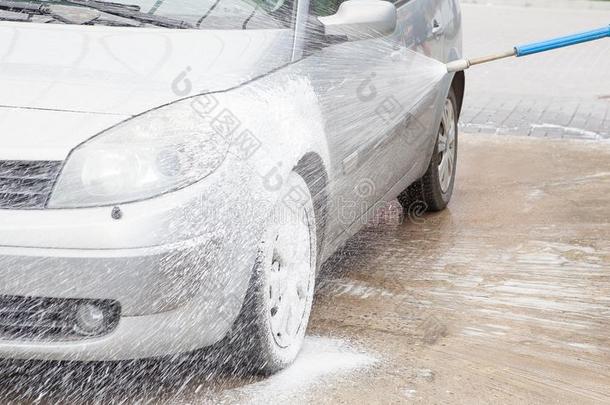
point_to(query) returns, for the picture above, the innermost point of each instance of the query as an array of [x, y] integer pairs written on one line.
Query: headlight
[[152, 154]]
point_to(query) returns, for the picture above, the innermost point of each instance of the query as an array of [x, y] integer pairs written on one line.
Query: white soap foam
[[320, 360]]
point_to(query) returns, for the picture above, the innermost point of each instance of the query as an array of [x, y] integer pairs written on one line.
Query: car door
[[366, 104], [421, 27]]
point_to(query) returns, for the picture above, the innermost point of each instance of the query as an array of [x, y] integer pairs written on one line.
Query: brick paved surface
[[559, 94]]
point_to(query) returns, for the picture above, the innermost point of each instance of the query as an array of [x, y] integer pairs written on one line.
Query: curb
[[559, 4]]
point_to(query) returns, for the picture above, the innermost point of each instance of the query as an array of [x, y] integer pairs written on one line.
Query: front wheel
[[434, 189], [270, 329]]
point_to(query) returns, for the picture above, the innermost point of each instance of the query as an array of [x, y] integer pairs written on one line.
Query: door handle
[[398, 55], [350, 163], [437, 28]]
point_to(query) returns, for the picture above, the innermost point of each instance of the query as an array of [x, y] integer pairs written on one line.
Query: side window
[[323, 8], [281, 11]]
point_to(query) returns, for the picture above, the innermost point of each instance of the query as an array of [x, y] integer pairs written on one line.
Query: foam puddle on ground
[[321, 359]]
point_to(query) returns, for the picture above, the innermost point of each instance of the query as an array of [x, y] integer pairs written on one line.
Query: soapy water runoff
[[220, 153]]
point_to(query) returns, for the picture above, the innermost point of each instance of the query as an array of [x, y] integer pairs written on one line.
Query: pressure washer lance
[[535, 47]]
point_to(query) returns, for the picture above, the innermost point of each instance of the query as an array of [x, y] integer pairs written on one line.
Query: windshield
[[194, 14]]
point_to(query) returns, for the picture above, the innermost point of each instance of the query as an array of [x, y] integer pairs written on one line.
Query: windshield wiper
[[133, 7], [38, 8], [13, 16], [130, 11], [23, 11], [122, 10]]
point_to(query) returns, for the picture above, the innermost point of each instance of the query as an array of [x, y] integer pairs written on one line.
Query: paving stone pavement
[[559, 94]]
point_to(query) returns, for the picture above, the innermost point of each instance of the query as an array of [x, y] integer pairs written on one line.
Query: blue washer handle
[[535, 47]]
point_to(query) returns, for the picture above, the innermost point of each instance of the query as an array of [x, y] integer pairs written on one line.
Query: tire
[[269, 331], [432, 192]]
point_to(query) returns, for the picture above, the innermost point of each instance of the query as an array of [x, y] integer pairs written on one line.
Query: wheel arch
[[311, 168], [458, 84]]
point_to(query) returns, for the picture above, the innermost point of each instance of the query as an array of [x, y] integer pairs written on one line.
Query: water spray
[[534, 47]]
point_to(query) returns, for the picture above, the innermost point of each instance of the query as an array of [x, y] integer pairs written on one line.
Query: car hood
[[35, 134], [126, 71]]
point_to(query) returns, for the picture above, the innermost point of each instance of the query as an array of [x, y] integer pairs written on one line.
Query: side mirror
[[361, 19]]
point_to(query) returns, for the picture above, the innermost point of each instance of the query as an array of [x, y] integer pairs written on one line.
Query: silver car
[[173, 173]]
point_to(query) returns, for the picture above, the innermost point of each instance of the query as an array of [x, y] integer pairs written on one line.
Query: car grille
[[27, 184], [50, 319]]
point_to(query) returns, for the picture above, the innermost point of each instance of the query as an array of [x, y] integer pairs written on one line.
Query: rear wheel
[[270, 329], [434, 189]]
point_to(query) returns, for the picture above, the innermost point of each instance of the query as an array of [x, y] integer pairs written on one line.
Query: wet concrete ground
[[504, 297]]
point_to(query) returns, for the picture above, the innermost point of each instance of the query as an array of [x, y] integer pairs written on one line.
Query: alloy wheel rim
[[290, 277], [446, 146]]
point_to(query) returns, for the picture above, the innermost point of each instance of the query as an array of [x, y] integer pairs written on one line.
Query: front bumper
[[171, 298], [178, 265], [143, 280], [180, 330]]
